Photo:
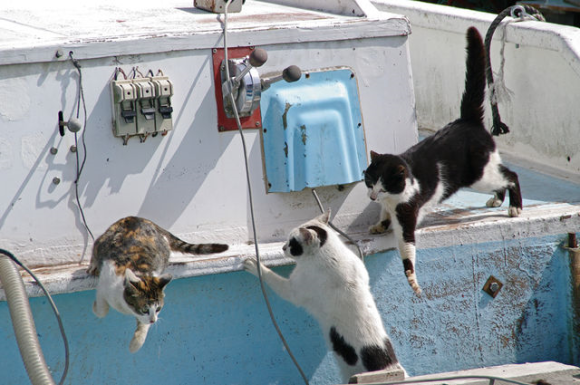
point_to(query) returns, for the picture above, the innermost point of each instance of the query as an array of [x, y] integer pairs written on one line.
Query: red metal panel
[[224, 123]]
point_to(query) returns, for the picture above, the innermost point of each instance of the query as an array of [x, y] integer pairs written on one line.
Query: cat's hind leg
[[515, 193], [498, 178], [93, 268], [139, 337]]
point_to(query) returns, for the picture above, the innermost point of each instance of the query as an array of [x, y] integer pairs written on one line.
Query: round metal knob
[[258, 57], [292, 73]]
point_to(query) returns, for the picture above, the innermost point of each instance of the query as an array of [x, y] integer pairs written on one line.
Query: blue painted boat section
[[312, 132], [216, 330]]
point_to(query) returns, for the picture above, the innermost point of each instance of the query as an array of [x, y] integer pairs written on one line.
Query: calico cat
[[332, 284], [129, 259], [462, 154]]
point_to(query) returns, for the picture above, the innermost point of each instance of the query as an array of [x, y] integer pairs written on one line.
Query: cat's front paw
[[514, 211], [379, 228], [139, 337], [251, 265], [100, 309]]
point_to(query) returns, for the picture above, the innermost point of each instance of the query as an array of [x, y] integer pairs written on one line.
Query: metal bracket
[[492, 286]]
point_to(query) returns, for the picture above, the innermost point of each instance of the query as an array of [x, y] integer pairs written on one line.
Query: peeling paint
[[285, 116]]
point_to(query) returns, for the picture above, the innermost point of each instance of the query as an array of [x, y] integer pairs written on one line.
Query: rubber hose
[[23, 323]]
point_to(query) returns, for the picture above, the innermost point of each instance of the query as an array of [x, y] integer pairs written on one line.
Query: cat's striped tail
[[474, 94], [177, 244]]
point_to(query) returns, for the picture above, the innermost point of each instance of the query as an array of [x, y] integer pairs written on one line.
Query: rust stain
[[303, 133], [285, 115], [286, 149]]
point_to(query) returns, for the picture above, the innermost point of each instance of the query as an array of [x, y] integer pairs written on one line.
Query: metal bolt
[[257, 124], [492, 286], [73, 148], [53, 150], [214, 50], [56, 180]]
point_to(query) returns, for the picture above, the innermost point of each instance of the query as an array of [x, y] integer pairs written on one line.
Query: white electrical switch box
[[145, 106], [124, 107], [142, 106], [164, 110]]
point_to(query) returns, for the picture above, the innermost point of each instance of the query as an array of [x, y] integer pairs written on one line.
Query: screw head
[[56, 180], [53, 150], [73, 148]]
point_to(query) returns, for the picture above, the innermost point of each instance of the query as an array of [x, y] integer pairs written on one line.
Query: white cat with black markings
[[332, 284], [461, 154]]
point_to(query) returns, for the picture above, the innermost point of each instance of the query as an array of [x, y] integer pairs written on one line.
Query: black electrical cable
[[54, 309], [520, 11], [80, 165], [360, 253]]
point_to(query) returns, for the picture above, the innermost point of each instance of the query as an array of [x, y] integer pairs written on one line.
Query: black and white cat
[[332, 284], [462, 154]]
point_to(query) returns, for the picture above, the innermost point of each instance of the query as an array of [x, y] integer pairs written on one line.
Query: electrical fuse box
[[142, 106]]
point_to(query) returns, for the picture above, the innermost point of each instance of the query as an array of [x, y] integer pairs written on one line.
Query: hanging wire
[[54, 309], [521, 12], [360, 253], [80, 165], [262, 286]]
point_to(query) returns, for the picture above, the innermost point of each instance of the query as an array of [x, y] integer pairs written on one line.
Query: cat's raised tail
[[177, 244], [474, 94]]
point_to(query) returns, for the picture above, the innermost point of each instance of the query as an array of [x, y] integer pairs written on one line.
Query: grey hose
[[23, 323]]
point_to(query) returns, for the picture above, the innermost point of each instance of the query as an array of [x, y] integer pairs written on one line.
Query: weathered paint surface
[[215, 329], [191, 181], [312, 132], [542, 63]]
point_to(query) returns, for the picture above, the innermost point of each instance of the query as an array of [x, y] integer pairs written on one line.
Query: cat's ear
[[164, 280], [401, 170], [325, 217], [130, 276], [307, 236], [374, 156]]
